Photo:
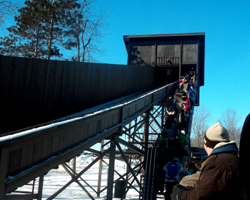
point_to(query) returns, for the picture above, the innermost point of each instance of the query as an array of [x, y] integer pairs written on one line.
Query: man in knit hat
[[219, 177]]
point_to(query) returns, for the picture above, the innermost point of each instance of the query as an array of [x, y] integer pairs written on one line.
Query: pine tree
[[28, 31], [41, 29]]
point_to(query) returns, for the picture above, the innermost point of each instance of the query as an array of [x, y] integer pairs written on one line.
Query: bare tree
[[230, 120], [199, 125], [7, 7], [87, 30]]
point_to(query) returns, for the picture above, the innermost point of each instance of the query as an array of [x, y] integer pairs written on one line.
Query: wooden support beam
[[40, 188], [125, 143], [100, 172], [20, 196], [4, 159], [111, 170], [78, 175], [130, 169]]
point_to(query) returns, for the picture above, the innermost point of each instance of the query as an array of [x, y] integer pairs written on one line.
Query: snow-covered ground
[[57, 178]]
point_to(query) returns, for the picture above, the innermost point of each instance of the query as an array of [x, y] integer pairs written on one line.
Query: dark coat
[[244, 156], [219, 178], [170, 103]]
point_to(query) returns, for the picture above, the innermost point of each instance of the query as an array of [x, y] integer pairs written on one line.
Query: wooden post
[[40, 188], [146, 130], [74, 164], [100, 172], [180, 59], [163, 110], [4, 159], [111, 170]]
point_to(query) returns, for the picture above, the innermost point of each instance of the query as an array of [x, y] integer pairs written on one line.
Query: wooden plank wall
[[168, 49], [142, 53], [35, 91], [190, 52]]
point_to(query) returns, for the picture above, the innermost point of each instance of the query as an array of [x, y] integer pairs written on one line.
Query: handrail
[[27, 154]]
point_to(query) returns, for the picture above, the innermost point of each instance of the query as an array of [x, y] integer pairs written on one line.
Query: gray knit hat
[[215, 134]]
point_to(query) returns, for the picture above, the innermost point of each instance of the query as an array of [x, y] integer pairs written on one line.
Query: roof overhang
[[178, 36]]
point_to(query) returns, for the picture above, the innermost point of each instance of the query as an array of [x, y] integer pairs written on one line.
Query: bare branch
[[199, 125], [230, 120], [7, 7]]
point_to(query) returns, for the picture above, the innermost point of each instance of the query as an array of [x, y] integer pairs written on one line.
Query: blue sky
[[227, 47]]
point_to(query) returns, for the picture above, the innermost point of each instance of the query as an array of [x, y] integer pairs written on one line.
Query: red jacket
[[186, 107]]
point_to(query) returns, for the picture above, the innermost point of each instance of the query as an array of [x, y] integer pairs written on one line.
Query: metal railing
[[167, 61]]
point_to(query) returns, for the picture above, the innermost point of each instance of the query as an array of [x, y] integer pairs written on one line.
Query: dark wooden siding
[[190, 52], [142, 53], [168, 49], [35, 91]]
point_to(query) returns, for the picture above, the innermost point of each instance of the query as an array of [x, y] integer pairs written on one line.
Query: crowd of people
[[173, 142], [219, 177]]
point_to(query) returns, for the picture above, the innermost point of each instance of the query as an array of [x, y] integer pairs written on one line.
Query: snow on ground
[[57, 178]]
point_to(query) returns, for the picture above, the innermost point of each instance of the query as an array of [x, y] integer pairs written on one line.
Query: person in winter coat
[[163, 140], [171, 173], [182, 139], [170, 103], [171, 119], [244, 158], [171, 170], [185, 106], [219, 177], [180, 93], [186, 84], [183, 144], [184, 115]]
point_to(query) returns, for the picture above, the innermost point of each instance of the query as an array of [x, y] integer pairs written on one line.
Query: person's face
[[208, 149]]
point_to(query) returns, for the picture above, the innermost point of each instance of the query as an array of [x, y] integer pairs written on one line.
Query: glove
[[177, 192]]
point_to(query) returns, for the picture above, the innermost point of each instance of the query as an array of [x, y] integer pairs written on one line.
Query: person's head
[[176, 159], [183, 132], [214, 135], [164, 133]]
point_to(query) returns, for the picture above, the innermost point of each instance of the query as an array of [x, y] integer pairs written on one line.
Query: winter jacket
[[181, 93], [182, 140], [170, 103], [167, 171], [190, 180], [163, 141], [186, 85], [244, 157], [219, 178], [171, 117], [186, 107]]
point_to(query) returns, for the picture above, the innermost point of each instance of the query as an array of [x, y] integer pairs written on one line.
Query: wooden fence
[[34, 91]]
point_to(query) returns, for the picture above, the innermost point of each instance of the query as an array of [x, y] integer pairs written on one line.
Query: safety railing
[[167, 61]]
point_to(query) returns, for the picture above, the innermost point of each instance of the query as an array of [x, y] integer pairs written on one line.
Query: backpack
[[172, 170]]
